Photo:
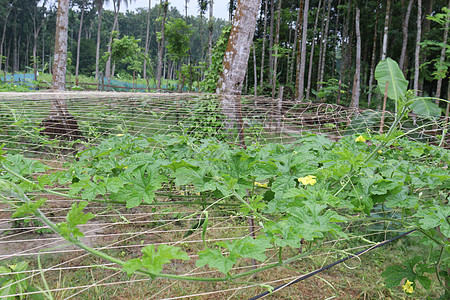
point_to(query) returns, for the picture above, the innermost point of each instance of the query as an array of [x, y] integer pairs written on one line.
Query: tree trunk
[[97, 53], [272, 16], [386, 31], [294, 48], [78, 44], [357, 78], [146, 39], [405, 37], [297, 47], [324, 49], [277, 41], [161, 44], [442, 57], [236, 60], [263, 52], [311, 55], [301, 79], [210, 29], [417, 50], [60, 60], [346, 43], [374, 55], [4, 34], [116, 4]]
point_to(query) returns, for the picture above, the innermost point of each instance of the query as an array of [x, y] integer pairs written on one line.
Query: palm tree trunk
[[405, 36], [277, 41], [116, 4], [417, 50], [298, 46], [161, 44], [386, 31], [210, 28], [97, 53], [301, 80], [4, 33], [263, 51], [324, 48], [357, 77], [78, 44], [146, 40], [311, 55], [374, 55]]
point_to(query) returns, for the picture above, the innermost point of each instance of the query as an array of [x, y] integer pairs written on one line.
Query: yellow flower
[[310, 179], [408, 287], [120, 134], [360, 139], [379, 151], [259, 184]]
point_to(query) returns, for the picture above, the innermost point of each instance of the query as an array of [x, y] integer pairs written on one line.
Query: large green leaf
[[426, 107], [388, 71]]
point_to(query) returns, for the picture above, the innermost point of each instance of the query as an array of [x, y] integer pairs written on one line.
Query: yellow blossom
[[310, 179], [408, 287], [259, 184], [360, 139], [120, 134], [379, 151]]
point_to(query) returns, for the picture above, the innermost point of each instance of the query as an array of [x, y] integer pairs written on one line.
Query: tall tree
[[163, 6], [386, 30], [297, 45], [236, 60], [82, 4], [5, 20], [147, 35], [374, 55], [60, 55], [311, 56], [36, 29], [210, 30], [324, 49], [99, 26], [277, 41], [301, 80], [357, 76], [417, 48], [405, 36], [263, 51]]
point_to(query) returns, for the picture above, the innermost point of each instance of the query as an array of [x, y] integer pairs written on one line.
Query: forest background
[[328, 49]]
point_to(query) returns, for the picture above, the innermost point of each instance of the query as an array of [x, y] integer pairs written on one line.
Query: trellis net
[[68, 272]]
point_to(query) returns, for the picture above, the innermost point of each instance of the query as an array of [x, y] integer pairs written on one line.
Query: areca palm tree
[[116, 5]]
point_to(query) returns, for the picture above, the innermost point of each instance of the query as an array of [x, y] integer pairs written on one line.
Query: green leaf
[[28, 208], [215, 259], [155, 258], [140, 185], [426, 107], [248, 247], [75, 217], [388, 71], [433, 217], [132, 266]]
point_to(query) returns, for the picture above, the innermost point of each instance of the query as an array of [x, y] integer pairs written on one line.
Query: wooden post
[[280, 106], [384, 107]]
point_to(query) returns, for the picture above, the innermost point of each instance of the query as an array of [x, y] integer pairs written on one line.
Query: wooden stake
[[384, 107]]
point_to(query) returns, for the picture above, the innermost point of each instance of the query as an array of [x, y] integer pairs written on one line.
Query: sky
[[220, 7]]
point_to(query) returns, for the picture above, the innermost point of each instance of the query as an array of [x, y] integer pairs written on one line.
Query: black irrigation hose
[[331, 265]]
